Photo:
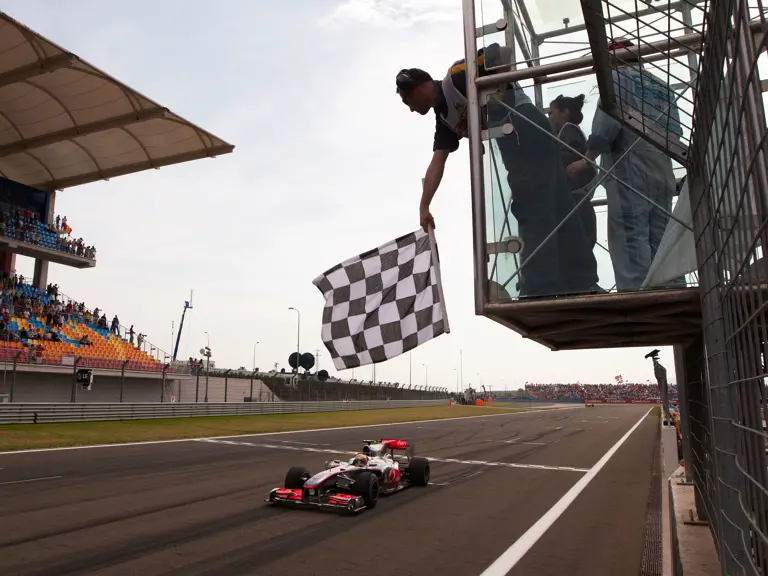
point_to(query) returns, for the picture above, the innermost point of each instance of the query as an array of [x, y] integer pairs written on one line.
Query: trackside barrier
[[93, 412]]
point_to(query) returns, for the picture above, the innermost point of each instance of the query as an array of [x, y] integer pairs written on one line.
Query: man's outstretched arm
[[432, 181]]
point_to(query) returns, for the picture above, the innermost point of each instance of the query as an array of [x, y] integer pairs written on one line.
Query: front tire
[[367, 486], [296, 477], [419, 471]]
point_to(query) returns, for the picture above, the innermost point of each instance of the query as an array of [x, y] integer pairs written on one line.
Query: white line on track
[[433, 459], [522, 545], [302, 443], [30, 480], [315, 430]]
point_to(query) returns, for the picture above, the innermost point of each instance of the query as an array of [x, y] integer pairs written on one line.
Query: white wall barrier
[[92, 412]]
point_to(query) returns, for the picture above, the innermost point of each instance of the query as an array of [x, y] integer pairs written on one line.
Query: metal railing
[[49, 413]]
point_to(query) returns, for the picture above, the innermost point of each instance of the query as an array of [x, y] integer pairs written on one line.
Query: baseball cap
[[619, 43]]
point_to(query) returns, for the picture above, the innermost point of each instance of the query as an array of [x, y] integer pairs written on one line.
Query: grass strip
[[30, 436]]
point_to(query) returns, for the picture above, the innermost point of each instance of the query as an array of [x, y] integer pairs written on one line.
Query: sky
[[327, 164]]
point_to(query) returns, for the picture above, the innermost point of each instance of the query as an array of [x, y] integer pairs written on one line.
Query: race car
[[591, 405], [355, 484]]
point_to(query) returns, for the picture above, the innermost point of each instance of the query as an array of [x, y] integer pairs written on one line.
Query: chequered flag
[[383, 302]]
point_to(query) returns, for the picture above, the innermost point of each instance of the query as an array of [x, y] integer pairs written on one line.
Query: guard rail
[[94, 412]]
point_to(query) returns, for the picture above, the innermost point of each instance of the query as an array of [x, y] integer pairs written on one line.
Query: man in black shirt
[[541, 196]]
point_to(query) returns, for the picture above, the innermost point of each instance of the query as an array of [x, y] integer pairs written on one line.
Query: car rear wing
[[395, 444]]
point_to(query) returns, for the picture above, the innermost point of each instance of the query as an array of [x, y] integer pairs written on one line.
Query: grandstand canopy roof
[[64, 122]]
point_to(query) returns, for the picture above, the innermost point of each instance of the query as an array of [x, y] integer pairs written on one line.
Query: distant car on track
[[589, 405], [355, 484]]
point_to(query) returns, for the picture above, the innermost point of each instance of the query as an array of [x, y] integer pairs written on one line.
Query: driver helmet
[[361, 460]]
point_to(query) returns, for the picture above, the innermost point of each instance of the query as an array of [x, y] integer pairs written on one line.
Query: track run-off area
[[551, 492]]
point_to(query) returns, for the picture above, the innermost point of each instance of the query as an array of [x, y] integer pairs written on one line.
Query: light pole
[[426, 374], [254, 356], [410, 368], [298, 339], [207, 353]]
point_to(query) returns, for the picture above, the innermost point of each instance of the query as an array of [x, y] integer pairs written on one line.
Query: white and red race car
[[357, 483]]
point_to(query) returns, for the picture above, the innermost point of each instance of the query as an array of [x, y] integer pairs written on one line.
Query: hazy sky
[[328, 163]]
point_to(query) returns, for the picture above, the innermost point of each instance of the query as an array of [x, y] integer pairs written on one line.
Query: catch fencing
[[92, 412], [723, 394]]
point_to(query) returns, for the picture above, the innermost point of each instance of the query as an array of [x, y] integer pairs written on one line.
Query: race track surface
[[196, 507]]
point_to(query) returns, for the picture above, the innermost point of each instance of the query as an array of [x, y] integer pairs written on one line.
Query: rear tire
[[418, 471], [296, 477], [367, 487]]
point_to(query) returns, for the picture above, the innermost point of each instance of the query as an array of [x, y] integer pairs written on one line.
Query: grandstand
[[612, 393], [64, 123], [104, 349]]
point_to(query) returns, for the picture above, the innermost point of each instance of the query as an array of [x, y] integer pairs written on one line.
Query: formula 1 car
[[356, 484], [589, 405]]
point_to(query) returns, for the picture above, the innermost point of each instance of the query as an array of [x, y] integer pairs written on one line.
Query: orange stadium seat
[[109, 351]]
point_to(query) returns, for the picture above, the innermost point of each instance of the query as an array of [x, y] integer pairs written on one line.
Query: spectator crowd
[[25, 225], [19, 300], [591, 392]]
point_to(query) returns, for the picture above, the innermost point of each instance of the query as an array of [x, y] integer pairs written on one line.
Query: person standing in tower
[[540, 194]]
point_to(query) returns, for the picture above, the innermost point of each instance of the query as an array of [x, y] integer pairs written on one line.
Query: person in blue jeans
[[635, 226]]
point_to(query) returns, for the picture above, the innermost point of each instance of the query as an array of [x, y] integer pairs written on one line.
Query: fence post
[[162, 383], [122, 379], [226, 384], [197, 383], [13, 377], [73, 397]]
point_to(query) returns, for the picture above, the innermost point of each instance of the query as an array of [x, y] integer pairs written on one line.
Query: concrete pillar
[[7, 262], [40, 278]]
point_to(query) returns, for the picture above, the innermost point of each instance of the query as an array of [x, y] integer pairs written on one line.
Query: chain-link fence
[[723, 402]]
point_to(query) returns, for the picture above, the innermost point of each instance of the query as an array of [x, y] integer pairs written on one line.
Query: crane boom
[[187, 305]]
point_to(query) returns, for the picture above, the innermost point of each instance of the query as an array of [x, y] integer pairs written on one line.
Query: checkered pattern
[[382, 303]]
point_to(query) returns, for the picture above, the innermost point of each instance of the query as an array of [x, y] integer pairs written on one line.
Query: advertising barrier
[[626, 401]]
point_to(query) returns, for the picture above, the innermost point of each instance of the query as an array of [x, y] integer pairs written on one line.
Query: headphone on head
[[404, 80]]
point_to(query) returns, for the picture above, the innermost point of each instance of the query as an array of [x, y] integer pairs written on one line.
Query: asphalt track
[[196, 507]]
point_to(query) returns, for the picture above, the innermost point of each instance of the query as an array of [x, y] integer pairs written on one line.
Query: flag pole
[[438, 275]]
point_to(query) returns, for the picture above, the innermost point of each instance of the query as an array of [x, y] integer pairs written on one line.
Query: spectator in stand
[[115, 328], [26, 226], [599, 392], [130, 334]]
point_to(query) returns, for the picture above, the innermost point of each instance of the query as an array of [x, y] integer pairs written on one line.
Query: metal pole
[[13, 378], [585, 62], [226, 384], [479, 242], [197, 385], [74, 381], [207, 371], [122, 380]]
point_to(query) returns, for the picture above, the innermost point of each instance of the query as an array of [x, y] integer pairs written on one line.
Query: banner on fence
[[626, 401]]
